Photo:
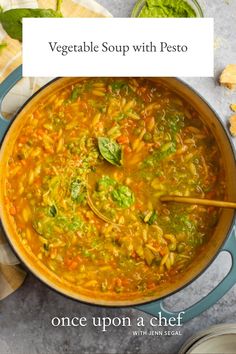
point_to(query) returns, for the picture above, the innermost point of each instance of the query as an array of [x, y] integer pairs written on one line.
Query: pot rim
[[128, 303]]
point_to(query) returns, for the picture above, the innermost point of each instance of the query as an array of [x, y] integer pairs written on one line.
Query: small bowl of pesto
[[167, 8]]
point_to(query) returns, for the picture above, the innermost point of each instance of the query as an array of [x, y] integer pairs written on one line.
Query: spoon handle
[[198, 201]]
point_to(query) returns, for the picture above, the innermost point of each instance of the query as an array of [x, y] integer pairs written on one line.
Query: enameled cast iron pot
[[223, 239]]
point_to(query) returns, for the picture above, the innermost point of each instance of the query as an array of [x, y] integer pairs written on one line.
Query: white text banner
[[118, 47]]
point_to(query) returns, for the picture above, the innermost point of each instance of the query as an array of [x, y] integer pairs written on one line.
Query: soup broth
[[85, 177]]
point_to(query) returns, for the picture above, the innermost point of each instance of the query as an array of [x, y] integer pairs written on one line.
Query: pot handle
[[7, 257], [5, 87], [157, 308]]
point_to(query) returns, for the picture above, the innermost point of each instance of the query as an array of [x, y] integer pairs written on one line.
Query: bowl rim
[[210, 337], [226, 328]]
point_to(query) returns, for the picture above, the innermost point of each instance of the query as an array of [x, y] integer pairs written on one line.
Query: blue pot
[[223, 238]]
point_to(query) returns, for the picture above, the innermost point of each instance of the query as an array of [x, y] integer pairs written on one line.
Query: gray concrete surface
[[25, 316]]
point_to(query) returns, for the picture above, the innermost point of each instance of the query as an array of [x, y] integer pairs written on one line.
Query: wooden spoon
[[167, 199], [197, 201], [98, 213]]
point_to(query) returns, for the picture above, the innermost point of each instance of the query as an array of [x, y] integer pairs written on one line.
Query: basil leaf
[[11, 20], [110, 150], [123, 196], [52, 210]]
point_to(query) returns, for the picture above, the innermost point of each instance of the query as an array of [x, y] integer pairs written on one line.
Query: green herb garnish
[[108, 189], [11, 20], [110, 151], [52, 210], [123, 196]]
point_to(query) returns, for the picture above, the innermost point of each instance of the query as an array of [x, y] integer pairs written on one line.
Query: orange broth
[[122, 143]]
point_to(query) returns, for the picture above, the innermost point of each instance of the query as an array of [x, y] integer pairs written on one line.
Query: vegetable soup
[[84, 180]]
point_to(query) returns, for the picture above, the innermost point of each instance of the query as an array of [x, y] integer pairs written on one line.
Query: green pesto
[[167, 8]]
